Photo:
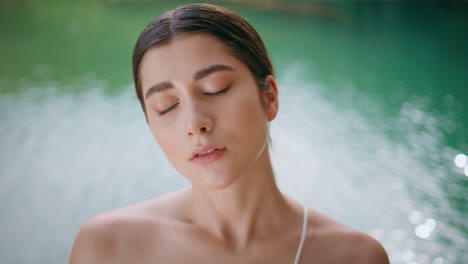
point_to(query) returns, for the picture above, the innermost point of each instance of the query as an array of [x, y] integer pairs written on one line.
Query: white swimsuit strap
[[303, 236]]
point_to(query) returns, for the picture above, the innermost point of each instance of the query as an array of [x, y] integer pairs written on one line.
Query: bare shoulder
[[111, 236], [95, 243], [359, 247], [338, 243]]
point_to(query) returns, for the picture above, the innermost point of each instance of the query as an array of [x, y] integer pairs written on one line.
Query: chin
[[214, 181]]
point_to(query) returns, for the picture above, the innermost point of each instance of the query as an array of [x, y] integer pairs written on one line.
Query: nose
[[199, 122]]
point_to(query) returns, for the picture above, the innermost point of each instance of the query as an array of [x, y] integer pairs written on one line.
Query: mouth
[[204, 153], [207, 154]]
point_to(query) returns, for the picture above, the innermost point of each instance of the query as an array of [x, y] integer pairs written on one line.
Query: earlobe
[[272, 113]]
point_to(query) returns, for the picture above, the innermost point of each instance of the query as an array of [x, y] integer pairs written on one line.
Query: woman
[[207, 88]]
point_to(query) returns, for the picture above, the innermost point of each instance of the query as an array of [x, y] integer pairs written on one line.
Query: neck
[[250, 208]]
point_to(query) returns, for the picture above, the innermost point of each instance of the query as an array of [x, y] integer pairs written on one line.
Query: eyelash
[[217, 93], [167, 110], [208, 94]]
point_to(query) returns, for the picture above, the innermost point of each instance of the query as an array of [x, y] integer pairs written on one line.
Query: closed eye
[[167, 110], [208, 94], [217, 93]]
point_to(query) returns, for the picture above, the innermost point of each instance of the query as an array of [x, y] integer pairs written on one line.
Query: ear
[[271, 98]]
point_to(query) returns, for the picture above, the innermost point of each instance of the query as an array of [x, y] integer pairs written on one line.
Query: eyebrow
[[162, 86], [212, 69], [158, 88]]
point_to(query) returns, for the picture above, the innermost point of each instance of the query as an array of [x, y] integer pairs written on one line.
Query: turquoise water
[[373, 114]]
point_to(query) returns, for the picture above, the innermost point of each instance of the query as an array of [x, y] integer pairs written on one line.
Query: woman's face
[[204, 109]]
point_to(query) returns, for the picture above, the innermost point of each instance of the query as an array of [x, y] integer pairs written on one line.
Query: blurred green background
[[372, 128]]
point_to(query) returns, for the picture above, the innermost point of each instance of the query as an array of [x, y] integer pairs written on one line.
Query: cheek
[[166, 140], [247, 116]]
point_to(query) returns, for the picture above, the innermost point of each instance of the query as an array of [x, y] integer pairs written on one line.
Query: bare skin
[[234, 211], [161, 231]]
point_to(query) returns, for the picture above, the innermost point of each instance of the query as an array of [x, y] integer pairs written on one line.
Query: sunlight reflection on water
[[460, 160], [370, 173]]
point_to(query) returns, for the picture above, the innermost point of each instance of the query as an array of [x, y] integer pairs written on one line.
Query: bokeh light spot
[[422, 231], [460, 160], [407, 256], [415, 217], [431, 223], [438, 260]]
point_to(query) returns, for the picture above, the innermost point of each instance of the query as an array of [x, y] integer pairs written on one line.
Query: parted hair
[[240, 37]]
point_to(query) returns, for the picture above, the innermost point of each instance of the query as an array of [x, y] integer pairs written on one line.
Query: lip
[[207, 157]]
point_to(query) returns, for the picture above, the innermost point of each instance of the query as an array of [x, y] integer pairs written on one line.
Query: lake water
[[372, 122]]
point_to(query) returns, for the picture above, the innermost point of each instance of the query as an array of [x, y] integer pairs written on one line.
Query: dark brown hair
[[233, 30]]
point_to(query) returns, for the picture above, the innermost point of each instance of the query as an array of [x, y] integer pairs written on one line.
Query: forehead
[[185, 54]]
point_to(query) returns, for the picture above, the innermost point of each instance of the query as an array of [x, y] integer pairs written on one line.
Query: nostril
[[203, 129]]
